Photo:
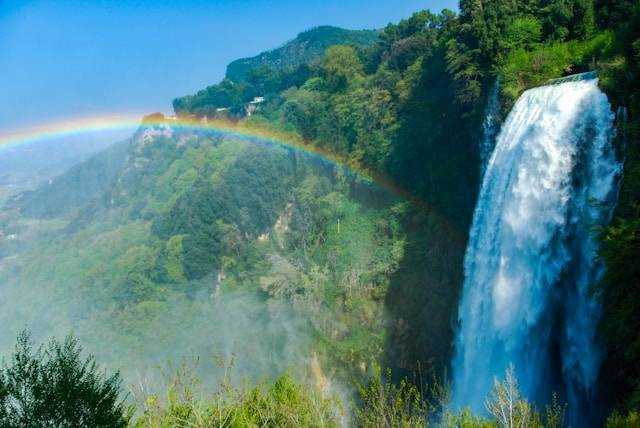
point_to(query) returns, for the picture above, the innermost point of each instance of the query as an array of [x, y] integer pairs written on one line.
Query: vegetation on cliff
[[303, 49]]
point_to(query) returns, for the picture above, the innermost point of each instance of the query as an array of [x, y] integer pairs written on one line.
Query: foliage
[[619, 291], [225, 95], [340, 68], [383, 403], [506, 405], [304, 49], [53, 386], [465, 419], [525, 68], [269, 72], [509, 410], [284, 403], [193, 217], [56, 387], [630, 420], [250, 196]]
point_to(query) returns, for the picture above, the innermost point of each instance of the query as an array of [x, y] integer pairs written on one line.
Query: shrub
[[285, 403], [56, 387]]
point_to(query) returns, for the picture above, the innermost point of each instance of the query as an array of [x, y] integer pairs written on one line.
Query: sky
[[61, 59]]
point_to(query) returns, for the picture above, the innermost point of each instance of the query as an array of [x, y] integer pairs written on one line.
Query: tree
[[385, 404], [557, 18], [506, 405], [174, 265], [368, 119], [524, 32], [263, 79], [302, 108], [341, 67], [630, 420], [283, 403], [583, 21], [619, 291], [510, 410], [56, 387]]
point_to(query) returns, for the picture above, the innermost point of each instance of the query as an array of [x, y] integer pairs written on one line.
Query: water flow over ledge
[[531, 254], [490, 126]]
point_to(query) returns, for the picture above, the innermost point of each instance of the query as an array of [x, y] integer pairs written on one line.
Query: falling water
[[531, 255], [490, 126]]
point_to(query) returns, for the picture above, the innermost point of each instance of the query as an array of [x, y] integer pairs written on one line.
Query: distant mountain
[[306, 47], [75, 187], [26, 166]]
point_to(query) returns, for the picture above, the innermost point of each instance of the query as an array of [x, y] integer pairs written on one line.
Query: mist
[[25, 166], [70, 263], [260, 339]]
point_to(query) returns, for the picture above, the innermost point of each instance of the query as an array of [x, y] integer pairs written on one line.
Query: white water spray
[[531, 253]]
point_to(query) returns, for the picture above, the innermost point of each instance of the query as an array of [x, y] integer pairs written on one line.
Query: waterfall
[[531, 254], [490, 126]]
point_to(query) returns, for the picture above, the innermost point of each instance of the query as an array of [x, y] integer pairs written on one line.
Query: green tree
[[630, 420], [368, 119], [583, 22], [523, 32], [263, 79], [284, 403], [175, 251], [386, 404], [56, 387], [303, 108], [341, 67]]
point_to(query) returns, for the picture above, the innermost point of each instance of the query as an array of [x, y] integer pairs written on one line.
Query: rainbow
[[68, 128], [111, 123], [244, 130], [253, 131]]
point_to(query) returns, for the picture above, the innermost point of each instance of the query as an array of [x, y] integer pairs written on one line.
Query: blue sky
[[64, 58]]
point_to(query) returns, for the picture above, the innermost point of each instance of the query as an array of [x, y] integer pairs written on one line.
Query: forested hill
[[306, 47], [411, 105]]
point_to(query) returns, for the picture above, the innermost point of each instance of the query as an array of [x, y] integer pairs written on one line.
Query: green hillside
[[303, 49]]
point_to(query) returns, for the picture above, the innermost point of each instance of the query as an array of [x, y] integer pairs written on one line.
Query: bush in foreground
[[54, 386], [284, 403]]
